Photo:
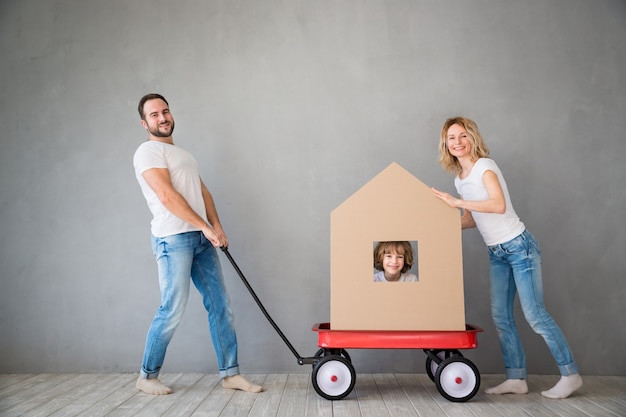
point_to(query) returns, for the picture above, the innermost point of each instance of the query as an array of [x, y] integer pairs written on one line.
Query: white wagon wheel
[[333, 377], [457, 379]]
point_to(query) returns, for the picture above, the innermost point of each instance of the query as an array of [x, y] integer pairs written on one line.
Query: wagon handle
[[300, 359]]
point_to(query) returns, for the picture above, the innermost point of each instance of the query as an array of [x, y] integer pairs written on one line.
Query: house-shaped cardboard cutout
[[396, 206]]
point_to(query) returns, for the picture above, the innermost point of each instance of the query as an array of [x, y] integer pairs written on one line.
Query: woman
[[514, 255]]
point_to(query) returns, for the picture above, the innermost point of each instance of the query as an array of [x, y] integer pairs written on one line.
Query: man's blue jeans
[[516, 267], [179, 258]]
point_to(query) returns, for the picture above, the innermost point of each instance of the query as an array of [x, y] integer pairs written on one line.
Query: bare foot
[[565, 387], [240, 383], [509, 386], [152, 386]]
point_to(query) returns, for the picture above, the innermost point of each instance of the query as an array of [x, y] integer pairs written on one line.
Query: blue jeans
[[179, 258], [516, 268]]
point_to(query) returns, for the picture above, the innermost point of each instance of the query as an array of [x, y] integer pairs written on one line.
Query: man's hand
[[216, 236]]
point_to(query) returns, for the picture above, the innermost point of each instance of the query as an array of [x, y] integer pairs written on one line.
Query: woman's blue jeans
[[516, 268], [179, 258]]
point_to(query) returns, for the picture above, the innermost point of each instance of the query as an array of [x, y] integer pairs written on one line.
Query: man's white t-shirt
[[185, 177], [495, 228]]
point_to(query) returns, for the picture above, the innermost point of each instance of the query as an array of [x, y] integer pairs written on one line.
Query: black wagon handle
[[300, 359]]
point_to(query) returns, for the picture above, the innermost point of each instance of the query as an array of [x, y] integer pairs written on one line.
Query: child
[[392, 260]]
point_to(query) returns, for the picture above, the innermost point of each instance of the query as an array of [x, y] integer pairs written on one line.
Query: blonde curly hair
[[478, 147]]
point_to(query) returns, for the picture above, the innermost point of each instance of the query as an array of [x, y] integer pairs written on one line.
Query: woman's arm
[[467, 221], [494, 204]]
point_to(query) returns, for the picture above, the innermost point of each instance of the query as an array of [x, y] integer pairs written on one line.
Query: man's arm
[[211, 215], [159, 180]]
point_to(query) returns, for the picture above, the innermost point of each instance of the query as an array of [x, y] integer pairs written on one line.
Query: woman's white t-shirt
[[494, 228]]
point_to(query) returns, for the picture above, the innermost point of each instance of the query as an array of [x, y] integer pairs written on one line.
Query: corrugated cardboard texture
[[393, 206]]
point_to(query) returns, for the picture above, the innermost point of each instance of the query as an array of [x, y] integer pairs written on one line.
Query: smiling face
[[393, 258], [458, 142], [393, 263], [158, 120], [460, 139]]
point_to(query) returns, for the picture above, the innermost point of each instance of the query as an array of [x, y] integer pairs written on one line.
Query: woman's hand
[[446, 198], [494, 204], [467, 220]]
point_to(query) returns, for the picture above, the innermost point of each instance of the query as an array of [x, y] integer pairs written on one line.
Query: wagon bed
[[456, 377]]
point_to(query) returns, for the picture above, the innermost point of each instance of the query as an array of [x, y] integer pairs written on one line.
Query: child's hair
[[479, 148], [401, 248]]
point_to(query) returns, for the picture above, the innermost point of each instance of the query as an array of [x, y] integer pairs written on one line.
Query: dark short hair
[[145, 98]]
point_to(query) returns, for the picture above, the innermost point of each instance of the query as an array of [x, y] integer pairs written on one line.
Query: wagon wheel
[[327, 352], [431, 365], [333, 377], [457, 379]]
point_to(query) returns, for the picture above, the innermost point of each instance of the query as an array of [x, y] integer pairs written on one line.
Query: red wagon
[[456, 377], [333, 377]]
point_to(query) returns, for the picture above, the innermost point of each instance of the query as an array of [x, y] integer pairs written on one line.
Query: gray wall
[[290, 107]]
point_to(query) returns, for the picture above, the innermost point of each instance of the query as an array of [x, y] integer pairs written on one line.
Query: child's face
[[393, 262]]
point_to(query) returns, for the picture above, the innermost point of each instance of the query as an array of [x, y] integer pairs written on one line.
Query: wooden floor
[[292, 395]]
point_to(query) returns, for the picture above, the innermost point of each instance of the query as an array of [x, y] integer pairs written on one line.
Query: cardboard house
[[396, 206]]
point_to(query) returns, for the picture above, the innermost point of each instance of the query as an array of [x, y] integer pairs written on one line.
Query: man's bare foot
[[152, 386], [240, 383]]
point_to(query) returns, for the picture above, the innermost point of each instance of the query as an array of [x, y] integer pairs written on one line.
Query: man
[[185, 232]]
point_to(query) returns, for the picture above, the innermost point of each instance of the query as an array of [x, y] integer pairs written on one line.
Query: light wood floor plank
[[268, 403], [394, 397], [242, 402], [103, 385], [35, 391], [294, 398], [606, 393], [316, 406], [414, 385], [193, 396], [370, 399], [293, 395], [114, 398], [8, 381], [214, 403], [64, 395]]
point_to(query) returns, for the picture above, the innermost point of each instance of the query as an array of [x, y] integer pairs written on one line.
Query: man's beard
[[156, 132]]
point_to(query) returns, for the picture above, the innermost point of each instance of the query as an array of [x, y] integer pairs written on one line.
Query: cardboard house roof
[[396, 206]]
